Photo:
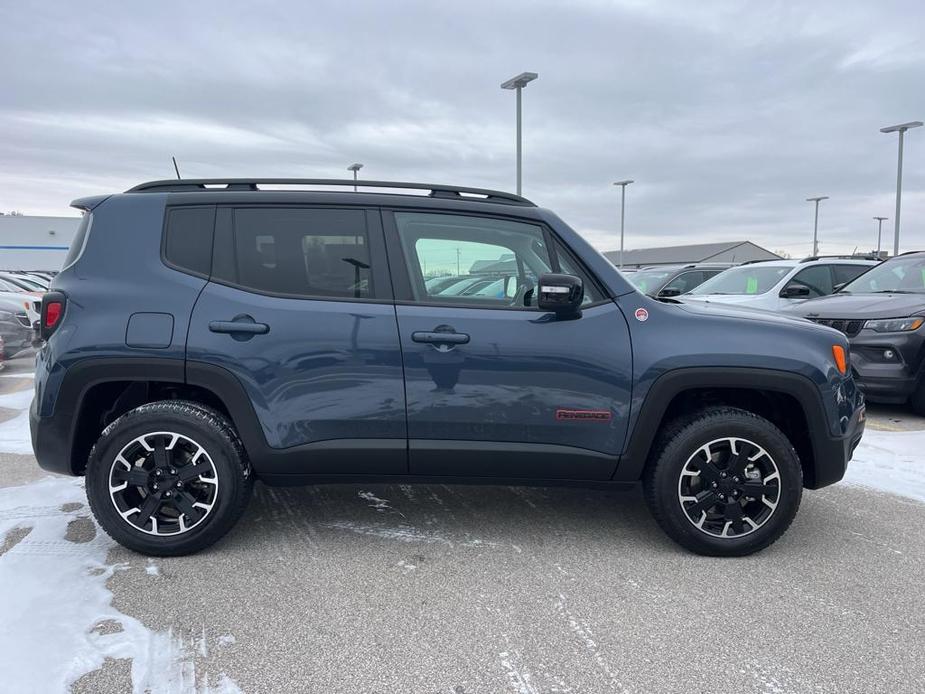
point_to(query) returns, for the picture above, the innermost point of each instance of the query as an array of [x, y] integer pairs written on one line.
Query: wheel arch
[[791, 401]]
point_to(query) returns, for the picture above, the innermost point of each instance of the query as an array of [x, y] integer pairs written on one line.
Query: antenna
[[175, 167]]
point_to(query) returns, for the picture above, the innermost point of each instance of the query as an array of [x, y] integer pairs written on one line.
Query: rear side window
[[79, 241], [301, 253], [188, 239]]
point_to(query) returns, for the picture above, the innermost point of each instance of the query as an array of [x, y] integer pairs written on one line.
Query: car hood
[[861, 306], [726, 310]]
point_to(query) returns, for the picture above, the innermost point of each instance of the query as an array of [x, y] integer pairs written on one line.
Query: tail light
[[53, 305]]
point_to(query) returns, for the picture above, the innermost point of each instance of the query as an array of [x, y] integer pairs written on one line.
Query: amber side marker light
[[841, 362]]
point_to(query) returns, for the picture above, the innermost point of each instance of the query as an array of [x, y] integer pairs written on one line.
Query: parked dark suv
[[206, 333], [673, 280], [883, 314]]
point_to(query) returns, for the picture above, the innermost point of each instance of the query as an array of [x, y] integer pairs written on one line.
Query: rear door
[[496, 387], [299, 310]]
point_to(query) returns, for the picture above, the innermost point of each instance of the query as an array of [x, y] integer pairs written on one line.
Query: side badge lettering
[[588, 415]]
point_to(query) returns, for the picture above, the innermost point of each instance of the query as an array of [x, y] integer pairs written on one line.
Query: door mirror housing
[[561, 294], [794, 291]]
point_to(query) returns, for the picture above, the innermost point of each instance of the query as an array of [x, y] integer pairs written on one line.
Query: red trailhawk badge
[[642, 315]]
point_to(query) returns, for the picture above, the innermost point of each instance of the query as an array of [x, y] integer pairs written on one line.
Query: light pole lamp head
[[902, 127], [354, 167], [519, 81], [624, 183], [881, 219], [818, 199]]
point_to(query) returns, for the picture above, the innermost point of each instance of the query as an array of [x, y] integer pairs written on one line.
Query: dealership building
[[35, 243], [734, 252]]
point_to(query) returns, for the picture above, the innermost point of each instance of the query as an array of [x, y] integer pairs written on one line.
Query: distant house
[[722, 252], [35, 243]]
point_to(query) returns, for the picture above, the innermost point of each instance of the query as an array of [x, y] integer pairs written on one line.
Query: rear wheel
[[723, 482], [168, 478]]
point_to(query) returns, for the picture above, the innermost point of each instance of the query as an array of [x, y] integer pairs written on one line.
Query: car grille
[[849, 327]]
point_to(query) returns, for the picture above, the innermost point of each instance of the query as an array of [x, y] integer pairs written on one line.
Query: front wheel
[[168, 478], [723, 482]]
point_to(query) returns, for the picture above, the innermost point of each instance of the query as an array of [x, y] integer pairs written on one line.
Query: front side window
[[648, 281], [477, 261], [685, 282], [818, 279], [302, 253], [745, 279]]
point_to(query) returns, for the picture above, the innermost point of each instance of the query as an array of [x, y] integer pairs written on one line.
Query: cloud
[[727, 115]]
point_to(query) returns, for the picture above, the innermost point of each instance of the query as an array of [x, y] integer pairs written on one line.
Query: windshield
[[649, 280], [905, 275], [746, 279]]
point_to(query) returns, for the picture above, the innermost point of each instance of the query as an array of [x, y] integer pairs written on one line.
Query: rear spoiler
[[87, 204]]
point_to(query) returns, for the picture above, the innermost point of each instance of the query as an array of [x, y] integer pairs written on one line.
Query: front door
[[494, 386], [298, 309]]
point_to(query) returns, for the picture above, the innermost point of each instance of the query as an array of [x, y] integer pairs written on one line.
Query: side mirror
[[670, 291], [838, 287], [561, 294], [794, 291]]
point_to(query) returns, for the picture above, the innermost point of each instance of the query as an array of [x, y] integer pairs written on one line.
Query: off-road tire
[[202, 424], [680, 440]]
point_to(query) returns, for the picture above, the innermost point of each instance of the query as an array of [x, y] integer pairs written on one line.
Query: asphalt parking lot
[[397, 588]]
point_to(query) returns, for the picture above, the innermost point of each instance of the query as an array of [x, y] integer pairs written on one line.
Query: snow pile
[[891, 461]]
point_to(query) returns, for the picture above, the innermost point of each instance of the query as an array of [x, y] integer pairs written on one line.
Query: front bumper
[[888, 366], [832, 453]]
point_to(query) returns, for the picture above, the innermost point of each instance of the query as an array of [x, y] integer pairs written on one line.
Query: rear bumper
[[50, 442]]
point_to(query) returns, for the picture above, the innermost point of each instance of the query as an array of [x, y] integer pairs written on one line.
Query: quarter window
[[188, 242], [302, 253]]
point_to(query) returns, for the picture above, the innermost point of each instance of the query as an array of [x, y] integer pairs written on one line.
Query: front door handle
[[439, 338]]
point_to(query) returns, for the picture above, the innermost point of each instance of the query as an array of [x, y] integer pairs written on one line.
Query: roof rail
[[859, 256], [236, 184], [909, 252]]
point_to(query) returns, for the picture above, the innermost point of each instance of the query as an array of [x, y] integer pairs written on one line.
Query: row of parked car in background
[[20, 309], [879, 305]]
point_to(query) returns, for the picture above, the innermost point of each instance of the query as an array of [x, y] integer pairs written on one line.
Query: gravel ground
[[396, 588]]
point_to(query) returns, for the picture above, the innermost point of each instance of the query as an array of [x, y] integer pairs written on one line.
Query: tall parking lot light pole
[[622, 185], [901, 129], [355, 168], [517, 84], [880, 221], [816, 222]]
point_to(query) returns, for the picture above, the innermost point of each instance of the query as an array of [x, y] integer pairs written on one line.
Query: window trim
[[401, 273], [224, 233]]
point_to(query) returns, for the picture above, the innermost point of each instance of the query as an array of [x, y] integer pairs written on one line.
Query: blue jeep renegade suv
[[206, 333]]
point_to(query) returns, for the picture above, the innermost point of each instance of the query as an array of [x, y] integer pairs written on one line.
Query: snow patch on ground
[[53, 597], [14, 433], [891, 461]]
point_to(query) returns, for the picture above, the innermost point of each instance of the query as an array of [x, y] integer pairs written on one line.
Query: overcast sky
[[727, 114]]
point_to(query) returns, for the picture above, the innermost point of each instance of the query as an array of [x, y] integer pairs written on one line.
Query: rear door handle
[[440, 338], [239, 326]]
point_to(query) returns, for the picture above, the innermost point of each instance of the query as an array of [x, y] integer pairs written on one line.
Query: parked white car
[[31, 301], [773, 285]]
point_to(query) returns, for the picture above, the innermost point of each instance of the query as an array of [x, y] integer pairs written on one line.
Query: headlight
[[895, 325]]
